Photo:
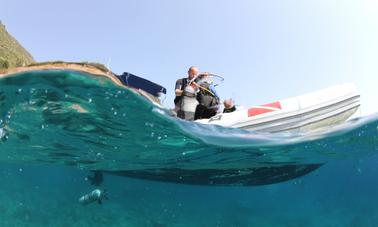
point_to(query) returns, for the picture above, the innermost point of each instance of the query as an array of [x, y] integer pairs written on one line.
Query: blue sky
[[266, 50]]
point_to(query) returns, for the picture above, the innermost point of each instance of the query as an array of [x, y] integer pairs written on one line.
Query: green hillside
[[12, 54]]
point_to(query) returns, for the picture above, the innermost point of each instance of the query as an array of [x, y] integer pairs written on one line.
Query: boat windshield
[[211, 78]]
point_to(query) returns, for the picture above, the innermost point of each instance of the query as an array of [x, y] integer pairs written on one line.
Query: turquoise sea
[[56, 126]]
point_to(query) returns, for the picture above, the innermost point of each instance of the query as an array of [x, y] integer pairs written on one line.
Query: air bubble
[[148, 124], [2, 133]]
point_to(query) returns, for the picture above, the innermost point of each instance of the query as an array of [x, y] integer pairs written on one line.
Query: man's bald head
[[192, 72], [228, 103]]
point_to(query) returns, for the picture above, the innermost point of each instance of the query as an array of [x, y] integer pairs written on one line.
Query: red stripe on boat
[[257, 111]]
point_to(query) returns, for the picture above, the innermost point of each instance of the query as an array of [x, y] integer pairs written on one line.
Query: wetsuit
[[229, 110], [180, 84], [186, 104]]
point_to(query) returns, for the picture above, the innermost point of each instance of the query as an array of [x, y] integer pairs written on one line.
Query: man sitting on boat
[[229, 106]]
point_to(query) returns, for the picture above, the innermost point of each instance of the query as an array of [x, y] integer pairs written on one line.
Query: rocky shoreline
[[92, 68]]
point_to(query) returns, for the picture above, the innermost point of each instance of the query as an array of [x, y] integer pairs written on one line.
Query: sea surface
[[57, 126]]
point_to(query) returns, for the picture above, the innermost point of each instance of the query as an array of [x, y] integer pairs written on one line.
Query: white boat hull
[[311, 111]]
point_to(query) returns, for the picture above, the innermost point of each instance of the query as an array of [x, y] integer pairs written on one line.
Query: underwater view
[[65, 134]]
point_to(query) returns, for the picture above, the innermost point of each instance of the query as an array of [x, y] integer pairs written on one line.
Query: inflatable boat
[[302, 113], [311, 111]]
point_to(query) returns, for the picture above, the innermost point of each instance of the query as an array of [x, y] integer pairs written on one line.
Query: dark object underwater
[[96, 195], [96, 179]]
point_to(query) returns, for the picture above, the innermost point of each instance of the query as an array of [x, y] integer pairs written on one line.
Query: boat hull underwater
[[227, 177], [129, 146]]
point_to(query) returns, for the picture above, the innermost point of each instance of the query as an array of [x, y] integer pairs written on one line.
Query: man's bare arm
[[178, 92]]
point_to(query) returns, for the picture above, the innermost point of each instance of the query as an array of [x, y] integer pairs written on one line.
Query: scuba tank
[[96, 195]]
